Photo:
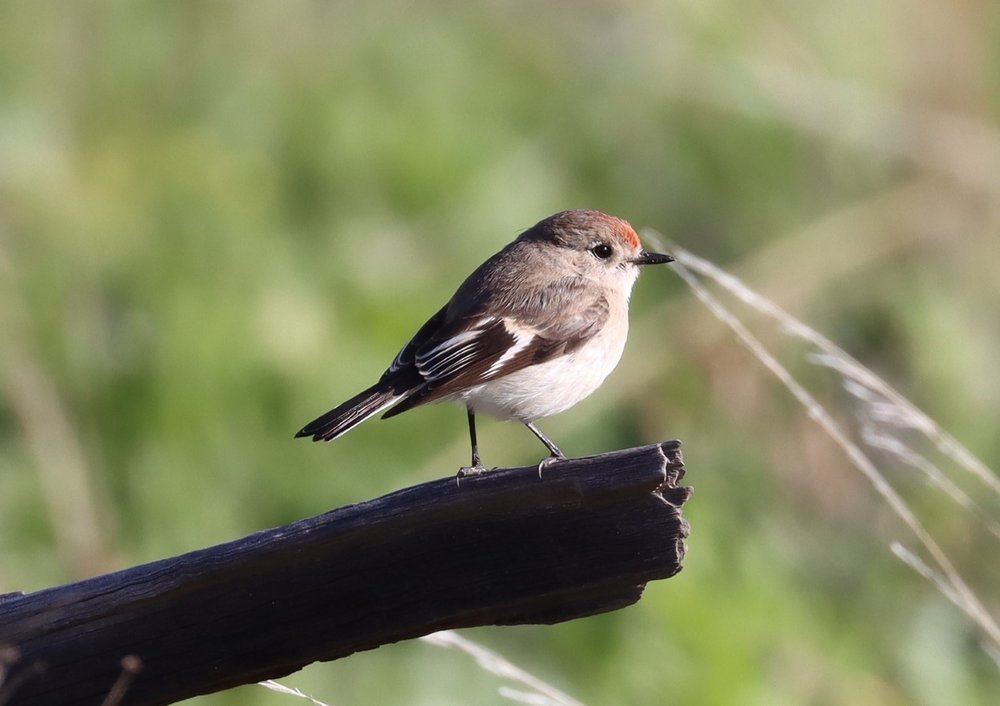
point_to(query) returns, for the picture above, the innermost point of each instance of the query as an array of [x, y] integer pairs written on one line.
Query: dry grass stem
[[79, 511], [543, 693], [282, 689], [131, 666], [892, 408]]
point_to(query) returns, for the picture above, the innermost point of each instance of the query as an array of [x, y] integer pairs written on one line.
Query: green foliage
[[219, 219]]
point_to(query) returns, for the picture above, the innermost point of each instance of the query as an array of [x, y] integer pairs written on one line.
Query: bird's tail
[[343, 418]]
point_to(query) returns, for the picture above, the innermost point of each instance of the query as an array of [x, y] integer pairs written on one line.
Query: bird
[[531, 332]]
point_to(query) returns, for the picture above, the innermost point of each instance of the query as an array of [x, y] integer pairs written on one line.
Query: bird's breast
[[553, 386]]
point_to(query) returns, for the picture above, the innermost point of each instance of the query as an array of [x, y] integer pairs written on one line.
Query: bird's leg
[[555, 451], [477, 464], [476, 461]]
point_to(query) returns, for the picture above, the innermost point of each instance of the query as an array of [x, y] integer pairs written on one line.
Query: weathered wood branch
[[500, 548]]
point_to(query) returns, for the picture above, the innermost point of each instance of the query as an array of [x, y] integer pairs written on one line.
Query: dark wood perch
[[500, 548]]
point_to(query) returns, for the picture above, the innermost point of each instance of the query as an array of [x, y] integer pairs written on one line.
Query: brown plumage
[[532, 331]]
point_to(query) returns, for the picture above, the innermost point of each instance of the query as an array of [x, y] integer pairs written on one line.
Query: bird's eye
[[602, 251]]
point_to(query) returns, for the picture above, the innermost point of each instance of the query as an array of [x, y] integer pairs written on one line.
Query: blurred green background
[[219, 219]]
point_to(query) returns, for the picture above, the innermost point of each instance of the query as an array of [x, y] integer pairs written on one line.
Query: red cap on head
[[580, 222], [626, 232]]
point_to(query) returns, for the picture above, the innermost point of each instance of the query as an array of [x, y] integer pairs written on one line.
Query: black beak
[[651, 258]]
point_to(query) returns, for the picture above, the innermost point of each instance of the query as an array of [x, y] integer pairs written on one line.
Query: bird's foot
[[477, 469], [549, 461]]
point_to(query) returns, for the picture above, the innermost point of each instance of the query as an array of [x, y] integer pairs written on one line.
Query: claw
[[466, 471], [548, 461]]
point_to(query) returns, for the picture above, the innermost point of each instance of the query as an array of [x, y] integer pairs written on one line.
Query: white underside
[[551, 387]]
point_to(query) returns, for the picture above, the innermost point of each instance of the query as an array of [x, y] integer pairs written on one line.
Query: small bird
[[531, 332]]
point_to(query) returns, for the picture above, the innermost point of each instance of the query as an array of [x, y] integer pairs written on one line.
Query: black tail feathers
[[343, 418]]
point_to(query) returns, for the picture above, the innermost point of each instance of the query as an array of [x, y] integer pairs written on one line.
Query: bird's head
[[594, 245]]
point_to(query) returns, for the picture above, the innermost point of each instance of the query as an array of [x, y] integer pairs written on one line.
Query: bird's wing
[[474, 348], [407, 357]]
